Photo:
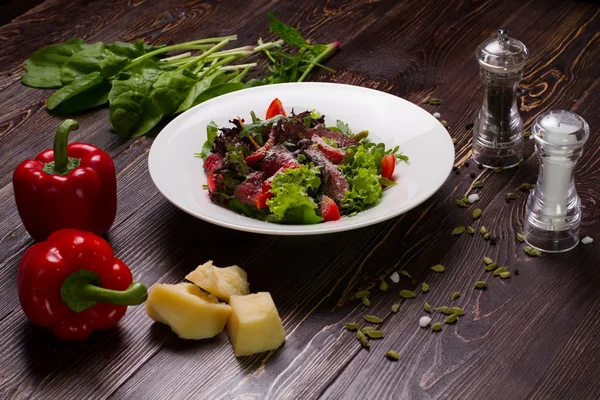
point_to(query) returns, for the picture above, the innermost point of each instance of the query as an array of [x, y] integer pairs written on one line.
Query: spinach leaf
[[93, 97], [43, 67], [151, 116], [196, 90], [212, 130], [82, 63], [118, 54], [218, 90], [128, 50], [170, 90], [289, 34], [79, 85]]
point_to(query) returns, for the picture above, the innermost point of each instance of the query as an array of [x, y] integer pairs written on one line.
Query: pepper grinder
[[553, 212], [498, 128]]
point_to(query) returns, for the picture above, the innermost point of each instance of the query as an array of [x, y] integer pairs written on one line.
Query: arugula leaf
[[291, 202], [289, 34], [82, 63], [212, 130], [258, 129], [236, 157], [79, 85], [343, 128], [43, 66]]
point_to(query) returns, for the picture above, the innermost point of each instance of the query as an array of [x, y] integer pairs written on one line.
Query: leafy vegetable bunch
[[142, 88]]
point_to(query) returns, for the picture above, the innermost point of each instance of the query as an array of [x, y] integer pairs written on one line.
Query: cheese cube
[[221, 282], [190, 312], [254, 325]]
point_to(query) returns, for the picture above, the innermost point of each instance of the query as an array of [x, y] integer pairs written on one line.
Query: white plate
[[389, 119]]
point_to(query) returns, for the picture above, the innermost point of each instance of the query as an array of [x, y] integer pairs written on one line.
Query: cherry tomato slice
[[388, 164], [261, 201], [275, 108], [329, 210], [211, 182]]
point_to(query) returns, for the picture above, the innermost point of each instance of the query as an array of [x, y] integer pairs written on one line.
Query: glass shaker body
[[553, 213], [498, 128]]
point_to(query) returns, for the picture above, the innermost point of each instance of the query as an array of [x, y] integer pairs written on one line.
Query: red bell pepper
[[72, 284], [70, 186]]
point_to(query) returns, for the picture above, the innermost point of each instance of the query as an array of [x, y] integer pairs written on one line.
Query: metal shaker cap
[[502, 54]]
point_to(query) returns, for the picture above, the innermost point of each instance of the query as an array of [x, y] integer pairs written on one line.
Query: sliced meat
[[341, 139], [333, 154], [278, 157], [249, 190], [213, 163], [259, 154], [334, 183]]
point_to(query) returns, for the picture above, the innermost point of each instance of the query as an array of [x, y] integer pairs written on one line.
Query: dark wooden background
[[536, 335]]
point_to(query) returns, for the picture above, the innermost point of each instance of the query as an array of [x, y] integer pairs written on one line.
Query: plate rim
[[292, 230]]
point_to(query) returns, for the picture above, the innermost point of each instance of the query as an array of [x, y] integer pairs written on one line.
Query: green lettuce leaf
[[364, 179], [291, 202]]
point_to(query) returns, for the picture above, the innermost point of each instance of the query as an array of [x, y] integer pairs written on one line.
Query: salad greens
[[364, 178], [143, 89], [291, 202]]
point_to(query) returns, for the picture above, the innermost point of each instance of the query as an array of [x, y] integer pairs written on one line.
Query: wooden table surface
[[535, 335]]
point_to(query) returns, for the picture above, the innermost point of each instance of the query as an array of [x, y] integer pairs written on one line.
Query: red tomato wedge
[[211, 182], [261, 201], [275, 108], [388, 164], [329, 210]]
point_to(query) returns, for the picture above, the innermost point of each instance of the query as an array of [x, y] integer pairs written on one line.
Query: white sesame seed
[[587, 240], [395, 277], [473, 198], [437, 115], [424, 321]]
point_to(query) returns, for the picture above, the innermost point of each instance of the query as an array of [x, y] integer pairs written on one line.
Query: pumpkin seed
[[445, 310], [511, 196], [426, 99], [487, 236], [480, 285], [451, 319], [366, 302], [500, 270], [537, 252], [491, 267], [483, 230], [383, 285], [454, 140], [434, 101], [438, 268], [488, 260], [459, 230], [455, 296], [407, 294], [363, 339], [527, 133], [352, 326], [373, 319], [470, 230], [395, 307], [427, 307], [477, 213], [457, 311], [405, 273], [521, 163], [505, 275], [424, 288], [499, 169], [362, 293], [530, 251], [460, 203], [444, 123], [436, 327], [520, 237], [477, 184], [392, 355], [527, 187], [465, 199], [374, 334]]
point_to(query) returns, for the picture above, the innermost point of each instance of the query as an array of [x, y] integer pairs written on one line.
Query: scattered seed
[[374, 334], [383, 285], [521, 163], [426, 99], [460, 203], [451, 319], [395, 277], [459, 230], [444, 123], [395, 307], [424, 321], [352, 326], [491, 267], [436, 327], [438, 268], [500, 270], [477, 213], [499, 169], [427, 307], [363, 339], [424, 288], [527, 133], [587, 240], [473, 175], [465, 199], [527, 187], [477, 184], [473, 198], [530, 251], [407, 294], [487, 236], [458, 311], [470, 230], [445, 310], [372, 319], [505, 275], [455, 296], [366, 302], [405, 273], [511, 196], [480, 285], [435, 101], [487, 260], [537, 252], [437, 115], [454, 140], [362, 293], [520, 237], [392, 355], [482, 230]]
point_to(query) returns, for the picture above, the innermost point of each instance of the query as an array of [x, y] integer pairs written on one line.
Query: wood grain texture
[[534, 335]]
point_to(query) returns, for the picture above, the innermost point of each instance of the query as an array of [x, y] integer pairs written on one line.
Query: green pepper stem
[[82, 290], [61, 140]]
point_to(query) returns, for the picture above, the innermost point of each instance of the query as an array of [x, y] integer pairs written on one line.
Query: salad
[[293, 169]]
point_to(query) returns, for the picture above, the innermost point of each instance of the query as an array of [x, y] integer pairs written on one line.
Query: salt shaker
[[553, 212], [498, 129]]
